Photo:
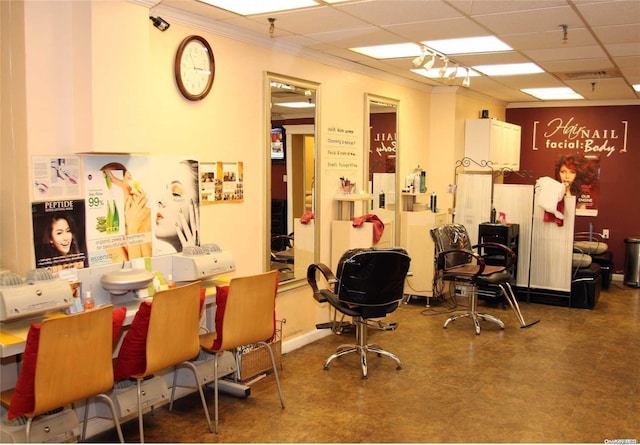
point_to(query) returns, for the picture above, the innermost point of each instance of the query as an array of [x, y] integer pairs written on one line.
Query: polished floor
[[573, 377]]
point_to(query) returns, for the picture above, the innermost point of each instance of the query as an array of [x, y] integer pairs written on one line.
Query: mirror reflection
[[291, 191], [382, 114]]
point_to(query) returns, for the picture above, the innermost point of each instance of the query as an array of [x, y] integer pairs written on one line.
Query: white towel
[[550, 193]]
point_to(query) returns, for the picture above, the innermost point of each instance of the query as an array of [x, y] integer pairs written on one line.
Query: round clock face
[[194, 68]]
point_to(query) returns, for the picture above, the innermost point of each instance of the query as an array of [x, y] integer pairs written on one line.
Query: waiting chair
[[245, 315], [457, 261], [368, 284], [173, 341], [72, 363]]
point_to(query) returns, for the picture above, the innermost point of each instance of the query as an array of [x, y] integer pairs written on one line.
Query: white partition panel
[[473, 202], [552, 249], [516, 202]]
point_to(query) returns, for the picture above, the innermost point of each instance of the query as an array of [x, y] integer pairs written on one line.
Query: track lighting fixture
[[159, 23], [467, 80], [427, 66], [454, 72], [443, 70], [418, 61]]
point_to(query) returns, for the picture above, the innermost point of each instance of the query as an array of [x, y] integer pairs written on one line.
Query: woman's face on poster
[[177, 196], [566, 175], [61, 236]]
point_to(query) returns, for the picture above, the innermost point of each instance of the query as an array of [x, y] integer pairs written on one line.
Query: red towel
[[306, 217], [550, 217], [378, 226]]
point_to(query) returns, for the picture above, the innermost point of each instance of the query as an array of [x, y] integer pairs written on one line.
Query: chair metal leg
[[196, 376], [114, 414], [140, 423], [215, 391], [275, 370], [513, 302]]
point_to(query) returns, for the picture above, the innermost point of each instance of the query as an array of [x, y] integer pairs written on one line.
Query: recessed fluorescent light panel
[[468, 45], [251, 7], [434, 73], [295, 104], [560, 93], [393, 51], [637, 87], [512, 69]]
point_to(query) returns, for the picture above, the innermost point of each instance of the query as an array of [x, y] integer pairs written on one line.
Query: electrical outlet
[[605, 233]]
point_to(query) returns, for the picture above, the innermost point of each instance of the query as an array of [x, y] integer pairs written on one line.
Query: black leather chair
[[368, 284], [456, 260]]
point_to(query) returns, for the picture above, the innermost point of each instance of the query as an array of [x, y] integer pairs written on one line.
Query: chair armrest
[[509, 254], [311, 279], [442, 256]]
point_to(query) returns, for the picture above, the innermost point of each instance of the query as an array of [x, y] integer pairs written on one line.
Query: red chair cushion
[[222, 292], [119, 315], [23, 399], [132, 358]]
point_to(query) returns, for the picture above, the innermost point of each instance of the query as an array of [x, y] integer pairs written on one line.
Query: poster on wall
[[580, 175], [59, 234], [221, 182], [55, 177], [139, 206]]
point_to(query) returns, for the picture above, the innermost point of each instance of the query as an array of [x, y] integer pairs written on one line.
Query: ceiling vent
[[587, 75]]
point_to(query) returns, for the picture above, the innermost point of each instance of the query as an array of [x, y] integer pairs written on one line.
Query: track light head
[[159, 23], [454, 72], [443, 70], [467, 80], [427, 66], [418, 61]]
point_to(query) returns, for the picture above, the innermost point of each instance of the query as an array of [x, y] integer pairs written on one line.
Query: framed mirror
[[381, 119], [291, 237]]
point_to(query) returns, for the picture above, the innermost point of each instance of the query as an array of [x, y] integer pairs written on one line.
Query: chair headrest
[[371, 276]]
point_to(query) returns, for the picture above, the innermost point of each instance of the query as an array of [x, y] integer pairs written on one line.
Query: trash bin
[[632, 262]]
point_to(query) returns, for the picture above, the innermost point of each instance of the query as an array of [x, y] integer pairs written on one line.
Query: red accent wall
[[610, 133]]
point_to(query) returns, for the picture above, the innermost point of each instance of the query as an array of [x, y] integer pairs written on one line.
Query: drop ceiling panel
[[576, 37], [438, 29], [540, 20], [611, 13], [393, 12], [576, 53]]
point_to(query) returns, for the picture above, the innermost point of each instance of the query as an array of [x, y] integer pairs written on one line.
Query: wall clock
[[194, 68]]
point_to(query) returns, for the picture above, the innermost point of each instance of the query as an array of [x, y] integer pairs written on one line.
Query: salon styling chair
[[368, 285], [457, 261]]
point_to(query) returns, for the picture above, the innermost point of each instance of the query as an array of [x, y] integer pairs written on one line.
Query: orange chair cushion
[[23, 399], [132, 357], [222, 292]]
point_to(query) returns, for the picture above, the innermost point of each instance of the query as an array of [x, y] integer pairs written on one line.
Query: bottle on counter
[[434, 202], [87, 301], [381, 199], [170, 283]]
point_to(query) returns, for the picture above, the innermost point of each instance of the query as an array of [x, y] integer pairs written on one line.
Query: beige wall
[[71, 93]]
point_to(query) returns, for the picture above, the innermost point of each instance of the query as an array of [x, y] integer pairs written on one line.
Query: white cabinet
[[344, 237], [492, 140], [416, 239]]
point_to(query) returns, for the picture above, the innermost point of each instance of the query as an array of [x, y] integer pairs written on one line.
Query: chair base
[[362, 348], [473, 314], [476, 317]]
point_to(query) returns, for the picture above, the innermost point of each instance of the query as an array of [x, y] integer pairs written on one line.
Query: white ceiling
[[600, 58]]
